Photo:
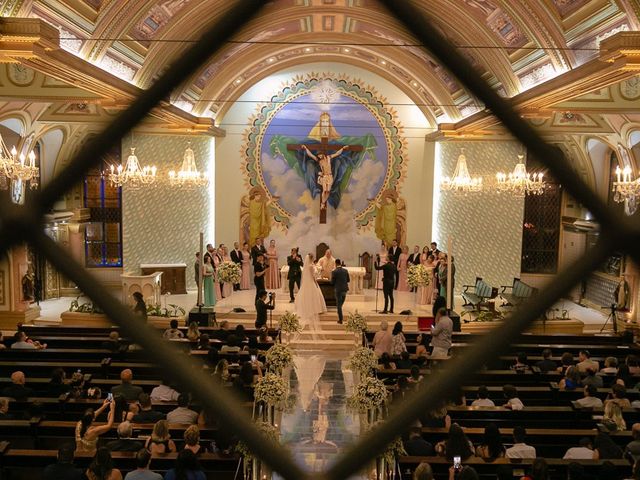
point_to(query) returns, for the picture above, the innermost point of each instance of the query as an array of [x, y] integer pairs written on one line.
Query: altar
[[356, 277]]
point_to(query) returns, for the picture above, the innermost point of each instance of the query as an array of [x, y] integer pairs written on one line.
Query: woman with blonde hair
[[221, 372], [160, 440], [192, 440], [193, 332], [612, 419]]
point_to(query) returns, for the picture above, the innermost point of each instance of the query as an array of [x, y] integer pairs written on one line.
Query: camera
[[270, 295]]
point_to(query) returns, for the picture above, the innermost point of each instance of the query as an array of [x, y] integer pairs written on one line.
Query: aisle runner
[[317, 433]]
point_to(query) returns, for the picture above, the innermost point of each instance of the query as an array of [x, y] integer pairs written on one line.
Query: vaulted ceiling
[[513, 44]]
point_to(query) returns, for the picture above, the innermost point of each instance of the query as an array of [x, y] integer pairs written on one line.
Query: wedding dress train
[[309, 302]]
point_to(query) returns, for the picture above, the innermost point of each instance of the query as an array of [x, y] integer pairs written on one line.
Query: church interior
[[332, 128]]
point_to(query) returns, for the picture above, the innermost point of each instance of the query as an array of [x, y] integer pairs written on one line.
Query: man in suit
[[340, 281], [394, 256], [434, 250], [236, 257], [210, 252], [262, 307], [295, 272], [414, 258], [388, 282], [126, 389], [257, 249], [260, 270]]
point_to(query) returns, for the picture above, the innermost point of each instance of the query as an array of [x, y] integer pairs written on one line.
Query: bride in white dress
[[309, 301]]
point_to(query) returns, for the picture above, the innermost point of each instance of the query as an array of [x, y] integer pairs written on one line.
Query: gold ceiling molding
[[622, 49], [25, 38]]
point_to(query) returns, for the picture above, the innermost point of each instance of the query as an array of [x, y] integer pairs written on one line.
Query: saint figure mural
[[325, 159]]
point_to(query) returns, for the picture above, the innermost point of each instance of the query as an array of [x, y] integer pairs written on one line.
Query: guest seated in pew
[[164, 393], [415, 378], [57, 385], [633, 447], [146, 413], [400, 391], [612, 420], [539, 470], [520, 449], [124, 443], [142, 472], [173, 333], [467, 473], [491, 447], [610, 366], [126, 389], [223, 332], [193, 332], [423, 472], [422, 349], [605, 448], [244, 381], [160, 439], [187, 466], [546, 364], [633, 363], [592, 379], [566, 361], [4, 409], [17, 389], [87, 434], [483, 399], [221, 372], [584, 450], [571, 380], [382, 340], [404, 362], [416, 446], [585, 362], [22, 337], [263, 336], [192, 440], [63, 469], [456, 445], [101, 468], [590, 400], [521, 365], [182, 413], [122, 409], [203, 342], [511, 394], [115, 344], [386, 363], [618, 395], [438, 418], [232, 346]]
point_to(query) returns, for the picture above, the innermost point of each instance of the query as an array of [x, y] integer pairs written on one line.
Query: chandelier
[[624, 188], [17, 168], [188, 175], [462, 181], [520, 182], [132, 174]]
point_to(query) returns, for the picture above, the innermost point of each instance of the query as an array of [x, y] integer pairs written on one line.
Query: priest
[[327, 264]]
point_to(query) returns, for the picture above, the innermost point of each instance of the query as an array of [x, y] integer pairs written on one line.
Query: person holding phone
[[87, 434], [458, 472]]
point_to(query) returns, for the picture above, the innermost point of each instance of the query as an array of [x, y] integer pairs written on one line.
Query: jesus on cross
[[325, 177]]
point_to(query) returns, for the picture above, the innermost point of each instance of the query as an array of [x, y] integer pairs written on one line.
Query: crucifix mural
[[324, 132]]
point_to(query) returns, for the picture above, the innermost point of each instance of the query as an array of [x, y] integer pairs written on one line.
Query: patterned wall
[[161, 224], [486, 228]]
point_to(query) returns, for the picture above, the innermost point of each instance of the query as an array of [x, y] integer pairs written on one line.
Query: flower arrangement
[[272, 390], [394, 450], [290, 322], [229, 272], [363, 360], [279, 357], [356, 323], [418, 276], [371, 393], [267, 430]]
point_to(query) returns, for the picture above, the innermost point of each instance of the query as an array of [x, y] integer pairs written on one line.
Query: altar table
[[356, 277]]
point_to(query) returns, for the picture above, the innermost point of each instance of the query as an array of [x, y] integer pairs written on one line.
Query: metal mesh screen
[[24, 224]]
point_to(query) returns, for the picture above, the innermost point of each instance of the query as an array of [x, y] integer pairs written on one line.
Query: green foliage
[[86, 307]]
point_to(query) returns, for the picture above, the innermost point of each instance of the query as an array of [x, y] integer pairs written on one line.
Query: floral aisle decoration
[[357, 324], [362, 361], [229, 272], [369, 397], [290, 323], [418, 276], [387, 461], [273, 391], [279, 358], [252, 466]]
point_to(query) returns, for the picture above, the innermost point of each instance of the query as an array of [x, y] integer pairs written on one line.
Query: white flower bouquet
[[363, 360], [267, 430], [394, 449], [229, 272], [272, 390], [279, 357], [371, 393], [356, 323], [418, 276], [289, 322]]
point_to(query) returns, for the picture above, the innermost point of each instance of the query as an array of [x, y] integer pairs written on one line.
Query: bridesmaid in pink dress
[[272, 282], [425, 294], [245, 282], [216, 261], [403, 286], [227, 288]]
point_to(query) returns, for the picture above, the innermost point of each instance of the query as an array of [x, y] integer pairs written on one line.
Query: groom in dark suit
[[236, 257], [295, 272], [394, 256], [340, 282], [388, 282]]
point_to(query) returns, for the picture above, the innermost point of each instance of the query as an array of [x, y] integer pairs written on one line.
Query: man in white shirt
[[590, 400], [164, 393], [441, 334], [483, 399], [585, 363], [583, 452], [327, 264], [142, 472], [520, 449], [182, 414], [511, 394], [21, 343]]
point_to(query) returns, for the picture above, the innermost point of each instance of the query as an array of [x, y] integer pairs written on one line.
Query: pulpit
[[328, 292], [148, 285], [173, 276]]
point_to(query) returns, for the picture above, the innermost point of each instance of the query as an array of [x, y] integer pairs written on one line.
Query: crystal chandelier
[[462, 181], [132, 174], [520, 182], [188, 175], [17, 168], [624, 187]]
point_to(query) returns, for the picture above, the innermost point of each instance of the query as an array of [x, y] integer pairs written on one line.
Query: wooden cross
[[325, 148]]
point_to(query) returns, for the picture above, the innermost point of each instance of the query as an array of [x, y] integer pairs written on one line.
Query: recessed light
[[307, 49], [415, 84], [271, 59], [383, 62], [347, 50], [239, 80]]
